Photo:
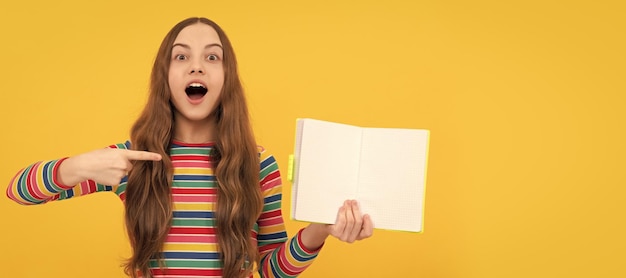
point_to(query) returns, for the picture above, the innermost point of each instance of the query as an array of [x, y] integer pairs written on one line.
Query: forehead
[[198, 34]]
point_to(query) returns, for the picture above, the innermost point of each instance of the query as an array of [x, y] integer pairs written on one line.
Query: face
[[196, 73]]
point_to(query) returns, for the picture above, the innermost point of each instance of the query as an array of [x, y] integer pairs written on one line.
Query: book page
[[326, 167], [392, 177]]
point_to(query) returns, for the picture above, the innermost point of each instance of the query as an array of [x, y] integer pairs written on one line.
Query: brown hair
[[236, 167]]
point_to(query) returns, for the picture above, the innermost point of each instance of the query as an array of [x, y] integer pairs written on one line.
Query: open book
[[384, 169]]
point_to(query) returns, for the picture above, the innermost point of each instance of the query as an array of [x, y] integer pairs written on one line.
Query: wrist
[[314, 235], [68, 173]]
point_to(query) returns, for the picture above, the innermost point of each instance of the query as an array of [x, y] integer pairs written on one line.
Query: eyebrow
[[205, 47]]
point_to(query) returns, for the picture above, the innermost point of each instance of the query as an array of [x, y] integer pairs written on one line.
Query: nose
[[196, 68]]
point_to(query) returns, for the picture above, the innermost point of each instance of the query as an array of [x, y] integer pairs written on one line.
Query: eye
[[213, 57], [180, 57]]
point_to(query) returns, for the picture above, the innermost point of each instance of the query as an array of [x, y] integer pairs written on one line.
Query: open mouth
[[196, 91]]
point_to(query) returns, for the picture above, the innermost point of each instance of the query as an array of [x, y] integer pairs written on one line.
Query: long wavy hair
[[235, 157]]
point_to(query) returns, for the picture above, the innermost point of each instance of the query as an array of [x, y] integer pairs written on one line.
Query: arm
[[288, 258], [99, 170], [38, 183], [280, 256]]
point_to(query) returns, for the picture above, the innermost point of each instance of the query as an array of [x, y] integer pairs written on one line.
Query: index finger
[[368, 227], [141, 155], [358, 221]]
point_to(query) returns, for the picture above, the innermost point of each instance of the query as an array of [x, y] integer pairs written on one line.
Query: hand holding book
[[350, 226]]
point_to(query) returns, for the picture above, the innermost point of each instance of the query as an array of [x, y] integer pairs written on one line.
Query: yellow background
[[524, 99]]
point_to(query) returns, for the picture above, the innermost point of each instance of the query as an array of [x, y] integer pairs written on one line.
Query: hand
[[350, 224], [104, 166]]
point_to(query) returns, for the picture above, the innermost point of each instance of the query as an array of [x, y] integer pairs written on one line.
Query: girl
[[201, 198]]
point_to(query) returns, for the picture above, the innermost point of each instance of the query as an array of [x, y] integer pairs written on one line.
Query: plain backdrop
[[524, 99]]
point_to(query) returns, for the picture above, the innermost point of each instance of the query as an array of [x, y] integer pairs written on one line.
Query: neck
[[194, 132]]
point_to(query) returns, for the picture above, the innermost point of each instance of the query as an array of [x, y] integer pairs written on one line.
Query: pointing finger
[[141, 155]]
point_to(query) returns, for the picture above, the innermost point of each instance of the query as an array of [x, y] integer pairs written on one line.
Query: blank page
[[325, 170], [392, 177]]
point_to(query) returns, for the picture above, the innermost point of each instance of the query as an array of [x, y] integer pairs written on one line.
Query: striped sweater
[[191, 246]]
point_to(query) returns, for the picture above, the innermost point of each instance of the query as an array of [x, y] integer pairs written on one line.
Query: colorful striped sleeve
[[280, 256], [38, 183]]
